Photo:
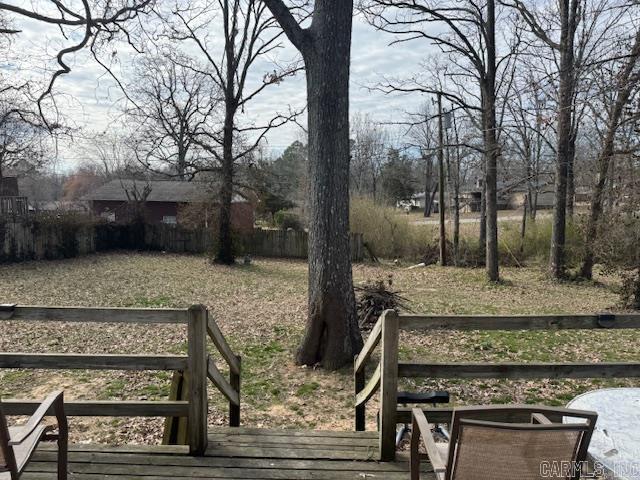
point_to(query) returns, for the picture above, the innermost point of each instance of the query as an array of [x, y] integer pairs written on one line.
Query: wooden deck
[[233, 453]]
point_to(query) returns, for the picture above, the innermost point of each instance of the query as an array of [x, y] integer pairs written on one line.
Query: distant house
[[511, 196], [168, 202]]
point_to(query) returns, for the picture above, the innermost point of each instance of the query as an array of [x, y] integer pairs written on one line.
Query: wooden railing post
[[234, 410], [198, 409], [359, 380], [388, 385]]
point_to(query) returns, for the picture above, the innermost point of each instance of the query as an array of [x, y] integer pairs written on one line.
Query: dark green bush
[[286, 220]]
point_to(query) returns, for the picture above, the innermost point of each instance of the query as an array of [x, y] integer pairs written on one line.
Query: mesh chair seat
[[488, 453], [481, 448]]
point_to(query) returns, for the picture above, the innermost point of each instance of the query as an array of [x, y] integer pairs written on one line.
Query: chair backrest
[[7, 458], [488, 450]]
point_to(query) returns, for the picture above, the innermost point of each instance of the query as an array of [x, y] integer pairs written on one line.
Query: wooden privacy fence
[[197, 364], [30, 240], [23, 240], [386, 373], [261, 242], [290, 244]]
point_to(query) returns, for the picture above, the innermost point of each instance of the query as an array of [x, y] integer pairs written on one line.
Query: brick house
[[168, 202]]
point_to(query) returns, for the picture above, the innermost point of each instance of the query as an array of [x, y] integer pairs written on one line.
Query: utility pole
[[443, 238]]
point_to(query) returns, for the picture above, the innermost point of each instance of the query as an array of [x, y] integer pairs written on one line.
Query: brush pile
[[374, 297]]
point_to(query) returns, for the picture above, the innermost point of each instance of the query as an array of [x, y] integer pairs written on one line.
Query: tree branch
[[292, 29]]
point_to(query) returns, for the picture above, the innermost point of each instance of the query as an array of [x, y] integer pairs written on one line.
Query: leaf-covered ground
[[261, 310]]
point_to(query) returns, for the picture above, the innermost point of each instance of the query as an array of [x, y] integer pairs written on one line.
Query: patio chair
[[17, 444], [484, 446]]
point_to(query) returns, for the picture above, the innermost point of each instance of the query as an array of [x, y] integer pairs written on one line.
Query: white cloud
[[89, 97]]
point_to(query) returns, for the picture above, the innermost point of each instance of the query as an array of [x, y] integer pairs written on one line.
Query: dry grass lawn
[[261, 310]]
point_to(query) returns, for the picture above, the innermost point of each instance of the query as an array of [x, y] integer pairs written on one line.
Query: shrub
[[630, 289], [388, 233], [537, 241], [285, 220], [391, 234], [618, 241]]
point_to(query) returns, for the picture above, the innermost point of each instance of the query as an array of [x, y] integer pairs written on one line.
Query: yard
[[261, 310]]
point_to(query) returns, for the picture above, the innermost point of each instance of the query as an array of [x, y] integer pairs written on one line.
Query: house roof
[[161, 191]]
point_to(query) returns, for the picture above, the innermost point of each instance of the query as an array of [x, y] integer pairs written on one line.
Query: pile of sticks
[[374, 297]]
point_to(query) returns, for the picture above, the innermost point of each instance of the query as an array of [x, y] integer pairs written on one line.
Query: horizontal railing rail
[[104, 408], [519, 370], [93, 314], [68, 361], [385, 376], [520, 322], [197, 364]]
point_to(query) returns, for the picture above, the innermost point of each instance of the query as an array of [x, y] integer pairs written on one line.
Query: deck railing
[[389, 369], [197, 364]]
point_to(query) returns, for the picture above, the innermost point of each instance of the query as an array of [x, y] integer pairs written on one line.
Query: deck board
[[233, 454]]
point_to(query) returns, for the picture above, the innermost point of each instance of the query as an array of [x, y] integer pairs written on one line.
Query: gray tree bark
[[332, 336], [568, 14], [225, 253], [492, 149]]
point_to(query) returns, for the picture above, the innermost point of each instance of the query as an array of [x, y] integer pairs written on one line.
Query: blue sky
[[90, 99]]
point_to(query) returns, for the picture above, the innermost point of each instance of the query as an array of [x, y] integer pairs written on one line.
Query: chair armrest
[[540, 418], [422, 428], [55, 401]]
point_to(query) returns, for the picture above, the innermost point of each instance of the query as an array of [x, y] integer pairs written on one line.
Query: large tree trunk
[[491, 148], [225, 253], [332, 337], [563, 150]]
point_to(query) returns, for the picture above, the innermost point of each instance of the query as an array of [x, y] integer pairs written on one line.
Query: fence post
[[359, 381], [388, 385], [198, 409], [234, 410]]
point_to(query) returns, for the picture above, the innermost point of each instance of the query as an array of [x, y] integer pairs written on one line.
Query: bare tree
[[248, 36], [458, 169], [25, 142], [100, 22], [572, 50], [114, 156], [422, 136], [368, 152], [465, 32], [332, 336], [626, 82], [530, 134], [171, 105]]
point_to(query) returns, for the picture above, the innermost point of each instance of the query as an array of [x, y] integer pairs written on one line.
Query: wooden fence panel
[[260, 243], [32, 241], [26, 241]]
